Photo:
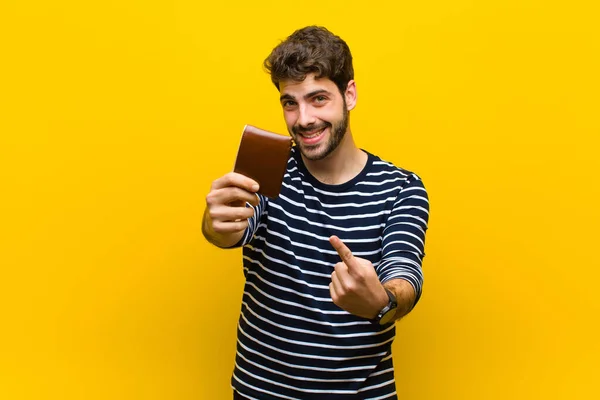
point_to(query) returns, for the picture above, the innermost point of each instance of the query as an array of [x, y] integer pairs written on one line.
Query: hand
[[226, 203], [355, 286]]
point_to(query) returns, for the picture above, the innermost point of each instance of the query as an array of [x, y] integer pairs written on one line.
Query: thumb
[[343, 251]]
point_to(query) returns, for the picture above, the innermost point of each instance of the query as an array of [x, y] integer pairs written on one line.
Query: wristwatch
[[387, 313]]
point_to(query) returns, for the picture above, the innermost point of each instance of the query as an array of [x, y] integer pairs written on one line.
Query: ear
[[350, 95]]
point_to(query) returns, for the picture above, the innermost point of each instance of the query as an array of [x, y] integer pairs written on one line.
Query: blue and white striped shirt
[[293, 341]]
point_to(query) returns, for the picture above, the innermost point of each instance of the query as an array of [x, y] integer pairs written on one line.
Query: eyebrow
[[306, 96]]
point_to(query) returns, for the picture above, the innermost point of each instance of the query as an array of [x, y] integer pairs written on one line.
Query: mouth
[[312, 137]]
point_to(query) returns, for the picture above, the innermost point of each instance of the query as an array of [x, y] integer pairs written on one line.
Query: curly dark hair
[[312, 49]]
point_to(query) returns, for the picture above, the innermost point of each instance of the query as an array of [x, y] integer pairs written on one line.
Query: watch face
[[387, 317]]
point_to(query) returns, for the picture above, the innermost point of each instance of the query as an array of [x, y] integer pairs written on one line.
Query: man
[[335, 260]]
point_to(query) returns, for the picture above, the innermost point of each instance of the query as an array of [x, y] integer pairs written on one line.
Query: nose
[[305, 116]]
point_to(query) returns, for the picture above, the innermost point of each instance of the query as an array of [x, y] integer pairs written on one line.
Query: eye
[[319, 100], [288, 103]]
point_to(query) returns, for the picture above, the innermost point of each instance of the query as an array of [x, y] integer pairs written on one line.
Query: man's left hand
[[355, 286]]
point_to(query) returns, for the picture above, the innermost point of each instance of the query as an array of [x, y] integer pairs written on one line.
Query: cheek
[[330, 116], [290, 118]]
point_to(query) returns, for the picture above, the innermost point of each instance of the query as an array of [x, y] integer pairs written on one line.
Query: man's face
[[316, 115]]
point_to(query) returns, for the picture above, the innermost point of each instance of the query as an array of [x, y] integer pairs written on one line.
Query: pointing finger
[[343, 250]]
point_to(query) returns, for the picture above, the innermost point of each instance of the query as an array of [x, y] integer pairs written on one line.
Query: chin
[[315, 153]]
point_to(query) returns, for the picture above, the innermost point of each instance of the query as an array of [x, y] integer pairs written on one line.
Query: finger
[[336, 285], [345, 282], [335, 288], [236, 180], [332, 293], [254, 202], [343, 251], [242, 203], [227, 214], [229, 227], [231, 196]]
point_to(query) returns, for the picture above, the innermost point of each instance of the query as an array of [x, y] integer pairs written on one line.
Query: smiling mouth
[[312, 135]]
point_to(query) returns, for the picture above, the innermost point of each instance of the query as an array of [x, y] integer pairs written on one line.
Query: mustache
[[297, 129]]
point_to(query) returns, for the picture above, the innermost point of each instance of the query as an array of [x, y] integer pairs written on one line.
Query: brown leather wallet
[[263, 156]]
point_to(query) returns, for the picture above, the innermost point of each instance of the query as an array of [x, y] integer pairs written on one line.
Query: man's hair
[[312, 49]]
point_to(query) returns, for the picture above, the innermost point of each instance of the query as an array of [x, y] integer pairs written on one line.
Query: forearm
[[405, 296], [223, 240]]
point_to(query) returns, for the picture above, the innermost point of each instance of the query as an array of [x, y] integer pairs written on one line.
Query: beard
[[319, 151]]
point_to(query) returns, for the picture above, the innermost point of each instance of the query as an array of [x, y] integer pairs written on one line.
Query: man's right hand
[[226, 215]]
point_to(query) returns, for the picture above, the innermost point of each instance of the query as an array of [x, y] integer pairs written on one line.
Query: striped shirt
[[293, 341]]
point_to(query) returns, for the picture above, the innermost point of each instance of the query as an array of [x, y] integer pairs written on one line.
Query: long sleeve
[[254, 221], [403, 239]]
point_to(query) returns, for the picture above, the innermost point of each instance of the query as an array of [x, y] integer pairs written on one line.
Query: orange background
[[116, 116]]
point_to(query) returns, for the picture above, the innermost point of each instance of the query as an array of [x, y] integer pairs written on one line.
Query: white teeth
[[313, 135]]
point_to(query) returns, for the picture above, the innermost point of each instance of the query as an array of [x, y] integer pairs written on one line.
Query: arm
[[225, 219], [403, 246], [405, 296], [358, 287]]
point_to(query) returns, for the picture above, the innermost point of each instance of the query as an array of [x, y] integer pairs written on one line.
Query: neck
[[343, 164]]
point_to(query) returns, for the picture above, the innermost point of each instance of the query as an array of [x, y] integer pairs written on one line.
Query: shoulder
[[386, 172]]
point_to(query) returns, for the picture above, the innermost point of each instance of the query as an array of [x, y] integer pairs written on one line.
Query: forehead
[[309, 85]]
